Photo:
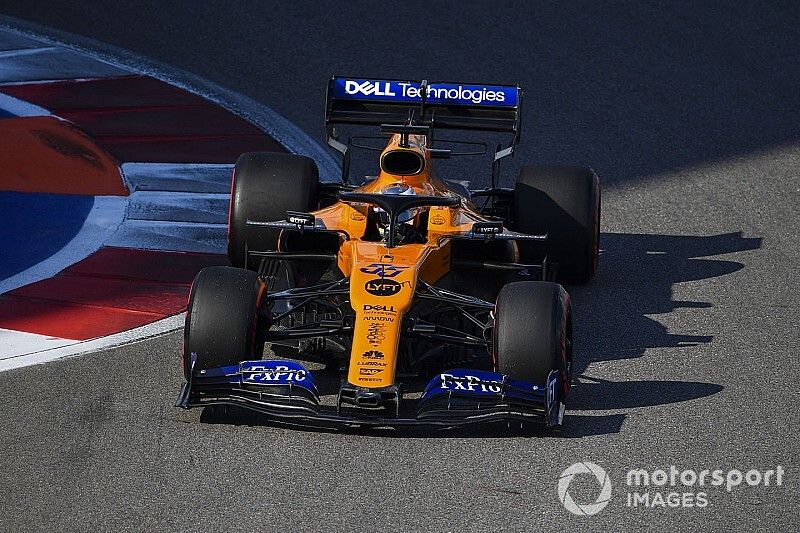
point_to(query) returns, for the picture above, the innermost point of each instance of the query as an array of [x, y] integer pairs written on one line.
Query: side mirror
[[439, 153]]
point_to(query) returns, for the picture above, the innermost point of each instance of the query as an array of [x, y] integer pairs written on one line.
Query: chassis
[[421, 302]]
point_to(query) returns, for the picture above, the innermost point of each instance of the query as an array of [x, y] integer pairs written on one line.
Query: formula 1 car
[[429, 303]]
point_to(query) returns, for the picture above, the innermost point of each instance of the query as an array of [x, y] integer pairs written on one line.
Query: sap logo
[[281, 374], [369, 88], [469, 383], [382, 270], [384, 308], [369, 371]]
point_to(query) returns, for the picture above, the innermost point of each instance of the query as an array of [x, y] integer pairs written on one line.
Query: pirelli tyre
[[564, 202], [533, 332], [265, 186], [221, 318]]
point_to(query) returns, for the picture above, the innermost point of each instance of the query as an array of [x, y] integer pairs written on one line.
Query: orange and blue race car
[[405, 299]]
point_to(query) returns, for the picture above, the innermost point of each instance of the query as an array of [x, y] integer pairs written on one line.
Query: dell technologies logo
[[369, 88], [411, 91]]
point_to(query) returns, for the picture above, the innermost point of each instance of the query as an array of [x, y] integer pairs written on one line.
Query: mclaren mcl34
[[405, 299]]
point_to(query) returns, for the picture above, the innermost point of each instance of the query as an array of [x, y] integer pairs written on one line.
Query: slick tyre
[[265, 186], [533, 332], [221, 318], [564, 203]]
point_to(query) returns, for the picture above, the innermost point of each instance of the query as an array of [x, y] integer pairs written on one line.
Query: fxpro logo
[[268, 374], [469, 383]]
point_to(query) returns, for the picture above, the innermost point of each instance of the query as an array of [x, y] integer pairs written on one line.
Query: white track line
[[21, 108], [55, 63], [180, 177], [175, 207], [171, 236], [19, 343], [47, 354], [26, 51], [17, 42]]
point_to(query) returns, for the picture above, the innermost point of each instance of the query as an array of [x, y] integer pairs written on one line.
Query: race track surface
[[686, 340]]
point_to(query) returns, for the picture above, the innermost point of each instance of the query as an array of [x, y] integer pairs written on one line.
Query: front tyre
[[221, 318], [533, 333]]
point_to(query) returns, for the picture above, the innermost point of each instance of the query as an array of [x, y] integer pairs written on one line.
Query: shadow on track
[[635, 280]]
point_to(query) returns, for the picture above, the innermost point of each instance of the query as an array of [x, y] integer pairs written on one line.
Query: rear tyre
[[533, 332], [221, 319], [265, 186], [564, 202]]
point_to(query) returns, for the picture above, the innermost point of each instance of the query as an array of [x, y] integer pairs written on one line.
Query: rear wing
[[446, 105], [436, 105]]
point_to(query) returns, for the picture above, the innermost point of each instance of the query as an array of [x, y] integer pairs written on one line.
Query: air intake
[[402, 162]]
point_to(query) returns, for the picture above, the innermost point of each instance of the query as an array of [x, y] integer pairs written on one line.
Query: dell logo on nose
[[369, 88]]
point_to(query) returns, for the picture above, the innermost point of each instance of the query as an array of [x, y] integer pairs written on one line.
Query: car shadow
[[613, 318], [635, 280]]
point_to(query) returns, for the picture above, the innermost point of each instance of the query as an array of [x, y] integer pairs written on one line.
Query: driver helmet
[[405, 216]]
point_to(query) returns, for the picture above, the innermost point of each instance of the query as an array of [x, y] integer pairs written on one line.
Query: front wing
[[286, 391]]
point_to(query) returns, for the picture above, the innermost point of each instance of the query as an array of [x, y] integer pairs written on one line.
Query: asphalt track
[[686, 339]]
